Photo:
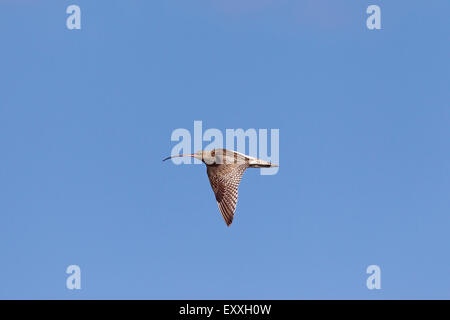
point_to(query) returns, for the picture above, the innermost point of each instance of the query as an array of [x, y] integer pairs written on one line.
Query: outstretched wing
[[225, 181]]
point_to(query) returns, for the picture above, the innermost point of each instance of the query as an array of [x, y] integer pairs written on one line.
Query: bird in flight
[[225, 169]]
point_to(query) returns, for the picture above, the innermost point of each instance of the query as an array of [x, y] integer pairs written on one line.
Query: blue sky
[[86, 117]]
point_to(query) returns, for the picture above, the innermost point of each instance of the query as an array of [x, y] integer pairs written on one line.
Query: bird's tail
[[257, 163]]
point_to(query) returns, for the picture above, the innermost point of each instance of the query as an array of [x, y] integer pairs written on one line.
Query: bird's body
[[225, 169]]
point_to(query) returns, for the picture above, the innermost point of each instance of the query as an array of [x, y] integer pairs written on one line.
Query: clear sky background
[[86, 118]]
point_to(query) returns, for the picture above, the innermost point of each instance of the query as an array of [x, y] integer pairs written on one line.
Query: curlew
[[225, 169]]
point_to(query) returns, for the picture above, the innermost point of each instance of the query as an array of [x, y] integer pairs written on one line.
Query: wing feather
[[225, 180]]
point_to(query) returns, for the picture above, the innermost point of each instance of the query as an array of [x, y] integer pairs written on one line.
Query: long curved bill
[[181, 155]]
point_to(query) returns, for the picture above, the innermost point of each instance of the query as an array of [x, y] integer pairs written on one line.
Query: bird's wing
[[225, 181]]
